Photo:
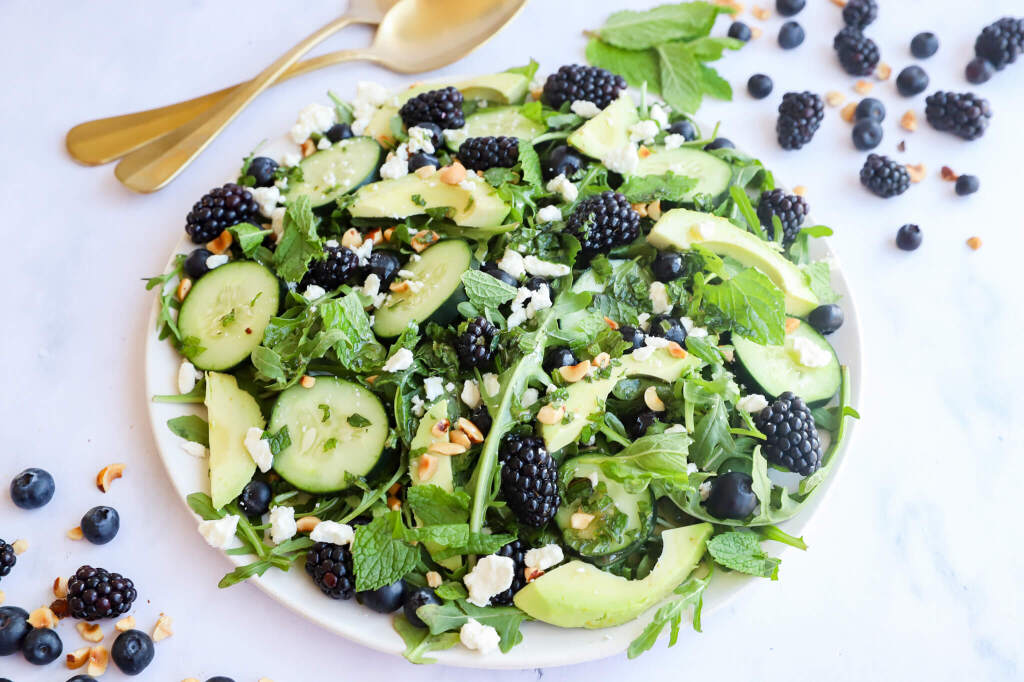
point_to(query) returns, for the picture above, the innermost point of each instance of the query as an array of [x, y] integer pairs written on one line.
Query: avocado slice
[[712, 173], [580, 595], [442, 476], [608, 131], [475, 203], [586, 397], [681, 228], [231, 413]]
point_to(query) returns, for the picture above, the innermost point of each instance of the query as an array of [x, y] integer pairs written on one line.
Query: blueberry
[[732, 496], [869, 108], [338, 132], [788, 8], [562, 160], [32, 488], [739, 31], [967, 184], [535, 283], [667, 266], [684, 128], [494, 271], [220, 678], [632, 335], [255, 498], [132, 651], [421, 159], [979, 70], [924, 45], [100, 525], [13, 628], [41, 646], [912, 81], [262, 169], [415, 599], [82, 678], [867, 134], [436, 136], [909, 237], [636, 425], [667, 327], [826, 318], [559, 357], [720, 143], [759, 86], [195, 264], [791, 35], [384, 599], [385, 264]]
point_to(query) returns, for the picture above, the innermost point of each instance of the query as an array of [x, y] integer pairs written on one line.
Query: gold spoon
[[105, 139], [414, 36]]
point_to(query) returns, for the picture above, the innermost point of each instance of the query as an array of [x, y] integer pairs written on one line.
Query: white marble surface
[[915, 560]]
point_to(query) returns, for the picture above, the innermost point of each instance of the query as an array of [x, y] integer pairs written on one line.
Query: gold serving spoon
[[414, 36], [101, 141]]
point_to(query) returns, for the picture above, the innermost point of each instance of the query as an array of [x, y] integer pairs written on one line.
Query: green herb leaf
[[636, 30], [485, 291], [419, 641], [819, 278], [749, 304], [299, 243], [380, 558], [325, 411], [660, 457], [278, 441], [691, 595], [190, 427], [682, 85], [636, 66], [330, 444], [433, 505], [741, 551], [451, 616], [530, 70], [668, 187], [351, 336], [249, 237], [358, 421], [530, 163]]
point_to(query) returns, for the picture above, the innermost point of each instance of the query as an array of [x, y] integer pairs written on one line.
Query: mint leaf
[[278, 441], [485, 291], [249, 237], [668, 187], [741, 551], [749, 304], [358, 421], [191, 347], [530, 163], [190, 427], [378, 557], [456, 539], [819, 278], [269, 364], [710, 48], [636, 30], [659, 457], [636, 66], [715, 85], [451, 616], [682, 85], [433, 505], [451, 591], [350, 334], [299, 242]]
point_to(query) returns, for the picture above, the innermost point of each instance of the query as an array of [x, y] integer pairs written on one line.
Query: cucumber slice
[[439, 270], [507, 121], [326, 447], [713, 175], [773, 370], [226, 313], [331, 172]]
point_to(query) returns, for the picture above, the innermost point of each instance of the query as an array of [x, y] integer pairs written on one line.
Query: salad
[[505, 349]]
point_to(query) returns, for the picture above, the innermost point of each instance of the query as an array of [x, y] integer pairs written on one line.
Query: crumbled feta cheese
[[323, 144], [623, 160], [659, 298], [219, 532], [470, 394], [371, 289], [414, 285], [313, 292], [706, 229], [698, 333], [806, 352], [433, 387], [541, 300], [277, 222], [643, 131], [363, 252], [675, 428], [543, 268], [530, 397], [584, 108], [645, 320], [544, 557], [563, 186], [492, 575], [658, 115], [369, 96], [478, 637], [704, 489], [267, 198], [282, 524], [400, 360], [333, 243], [216, 260], [511, 262], [674, 141], [491, 383], [753, 403], [259, 448], [549, 214], [314, 118], [406, 274], [518, 312], [691, 468], [656, 342], [289, 159], [197, 450], [333, 532], [397, 164], [449, 387], [643, 353], [188, 375], [414, 257], [418, 406]]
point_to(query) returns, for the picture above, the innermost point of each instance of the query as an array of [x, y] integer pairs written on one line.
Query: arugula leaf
[[453, 615], [741, 551], [451, 591], [380, 558], [419, 642], [691, 595], [530, 163], [485, 291], [660, 457], [249, 237], [433, 505], [749, 304], [636, 30], [190, 427], [636, 66], [299, 243], [669, 187]]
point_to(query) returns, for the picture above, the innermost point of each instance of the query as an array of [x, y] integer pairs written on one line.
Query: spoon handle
[[152, 167]]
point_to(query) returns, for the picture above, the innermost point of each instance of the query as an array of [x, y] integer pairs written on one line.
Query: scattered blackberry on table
[[731, 496], [667, 327], [791, 439], [800, 114], [481, 418], [338, 132], [414, 600], [132, 652], [481, 153], [496, 272], [528, 479], [633, 336], [421, 159], [858, 54], [255, 498], [560, 356], [517, 553], [759, 86], [967, 184], [330, 567], [41, 646], [791, 210], [575, 82], [475, 346], [884, 177], [195, 264], [924, 45], [826, 318], [13, 628], [860, 13], [441, 107], [908, 237], [263, 170], [684, 128], [1001, 42], [386, 599], [95, 593], [668, 266], [867, 134], [869, 107], [739, 31], [636, 424], [602, 222], [100, 525], [337, 268], [789, 8], [7, 559], [791, 35], [962, 113], [32, 488], [979, 70], [219, 209], [912, 81], [562, 160], [719, 143]]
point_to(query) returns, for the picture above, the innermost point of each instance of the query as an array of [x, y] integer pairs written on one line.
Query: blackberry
[[962, 113], [860, 13], [739, 31], [338, 132], [858, 54], [790, 209], [636, 425], [218, 210], [517, 553], [1001, 42], [912, 81], [602, 222], [529, 479], [262, 169], [800, 114], [481, 153], [924, 45], [475, 346], [562, 160], [330, 567], [7, 559], [884, 177], [791, 35], [574, 82], [94, 593], [482, 418], [731, 496], [442, 107], [339, 265], [791, 437], [759, 86], [667, 327], [979, 70], [908, 237]]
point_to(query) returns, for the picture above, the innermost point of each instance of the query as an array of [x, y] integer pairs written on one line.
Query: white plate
[[543, 645]]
